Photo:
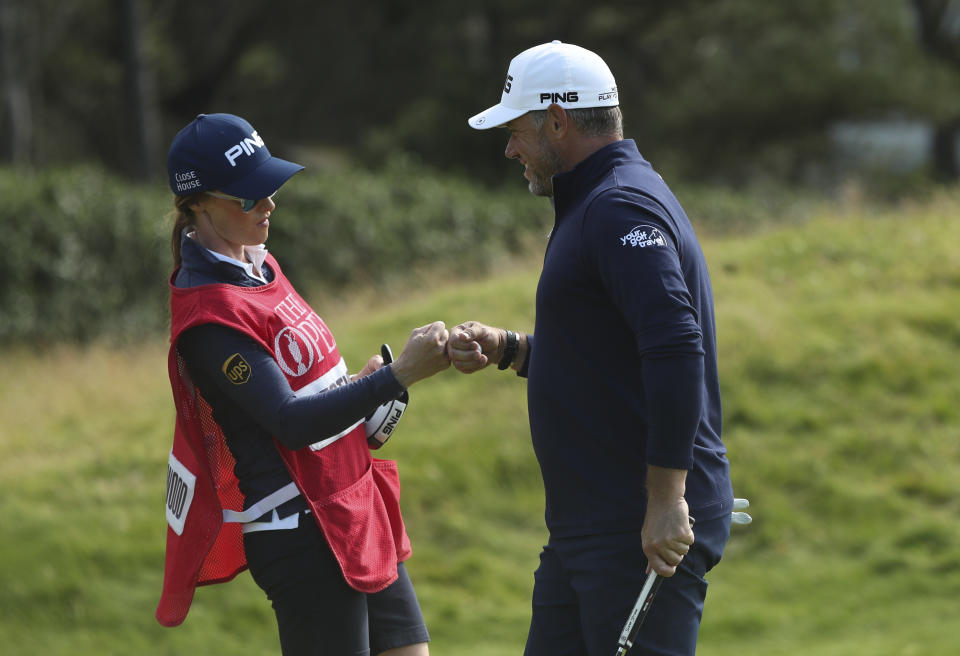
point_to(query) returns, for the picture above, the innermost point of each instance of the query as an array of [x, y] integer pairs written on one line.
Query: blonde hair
[[182, 217]]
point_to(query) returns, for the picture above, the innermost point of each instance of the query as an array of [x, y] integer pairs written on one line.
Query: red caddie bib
[[354, 498]]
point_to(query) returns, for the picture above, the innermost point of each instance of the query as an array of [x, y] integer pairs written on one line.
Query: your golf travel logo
[[643, 236]]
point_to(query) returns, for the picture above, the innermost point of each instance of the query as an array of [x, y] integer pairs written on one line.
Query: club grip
[[640, 609]]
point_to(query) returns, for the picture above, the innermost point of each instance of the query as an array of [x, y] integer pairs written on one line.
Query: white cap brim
[[495, 116]]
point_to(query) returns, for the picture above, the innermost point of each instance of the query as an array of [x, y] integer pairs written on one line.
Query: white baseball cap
[[561, 73]]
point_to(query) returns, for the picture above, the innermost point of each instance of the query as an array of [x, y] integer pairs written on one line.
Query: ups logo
[[236, 369]]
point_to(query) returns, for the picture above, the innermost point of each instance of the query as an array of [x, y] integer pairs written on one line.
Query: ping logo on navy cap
[[245, 147]]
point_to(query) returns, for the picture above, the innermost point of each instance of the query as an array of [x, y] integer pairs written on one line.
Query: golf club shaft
[[639, 612]]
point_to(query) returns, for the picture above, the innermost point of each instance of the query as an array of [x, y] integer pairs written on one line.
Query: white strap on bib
[[274, 523], [316, 446], [265, 505]]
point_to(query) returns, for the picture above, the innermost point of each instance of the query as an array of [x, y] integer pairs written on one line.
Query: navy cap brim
[[264, 180]]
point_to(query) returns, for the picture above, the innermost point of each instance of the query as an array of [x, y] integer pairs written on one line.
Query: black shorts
[[317, 612]]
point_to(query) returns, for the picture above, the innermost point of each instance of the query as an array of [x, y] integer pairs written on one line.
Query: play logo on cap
[[223, 152], [561, 73]]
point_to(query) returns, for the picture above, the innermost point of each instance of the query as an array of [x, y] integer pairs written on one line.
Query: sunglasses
[[246, 204]]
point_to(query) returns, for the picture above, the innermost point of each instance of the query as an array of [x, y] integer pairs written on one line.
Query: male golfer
[[623, 395]]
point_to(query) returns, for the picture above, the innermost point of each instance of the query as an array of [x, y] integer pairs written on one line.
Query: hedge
[[86, 253]]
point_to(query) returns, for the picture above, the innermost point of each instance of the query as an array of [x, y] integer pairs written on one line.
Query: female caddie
[[270, 467]]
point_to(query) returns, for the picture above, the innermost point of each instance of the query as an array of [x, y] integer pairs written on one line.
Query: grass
[[839, 342]]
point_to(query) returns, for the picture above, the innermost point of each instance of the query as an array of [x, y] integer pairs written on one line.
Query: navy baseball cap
[[223, 152]]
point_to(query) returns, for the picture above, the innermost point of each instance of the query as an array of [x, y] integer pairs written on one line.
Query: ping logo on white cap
[[245, 147], [558, 97]]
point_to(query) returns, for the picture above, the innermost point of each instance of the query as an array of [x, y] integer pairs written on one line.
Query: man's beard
[[548, 165]]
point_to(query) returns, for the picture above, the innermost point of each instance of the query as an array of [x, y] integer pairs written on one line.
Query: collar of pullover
[[203, 266], [571, 186]]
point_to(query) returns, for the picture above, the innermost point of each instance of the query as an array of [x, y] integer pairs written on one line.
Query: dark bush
[[87, 254]]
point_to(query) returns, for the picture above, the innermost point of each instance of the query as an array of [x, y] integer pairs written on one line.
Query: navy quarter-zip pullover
[[623, 367]]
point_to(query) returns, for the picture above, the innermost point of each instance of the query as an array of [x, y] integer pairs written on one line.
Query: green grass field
[[839, 355]]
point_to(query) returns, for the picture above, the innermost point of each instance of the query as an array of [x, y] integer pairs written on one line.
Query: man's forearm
[[665, 485]]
